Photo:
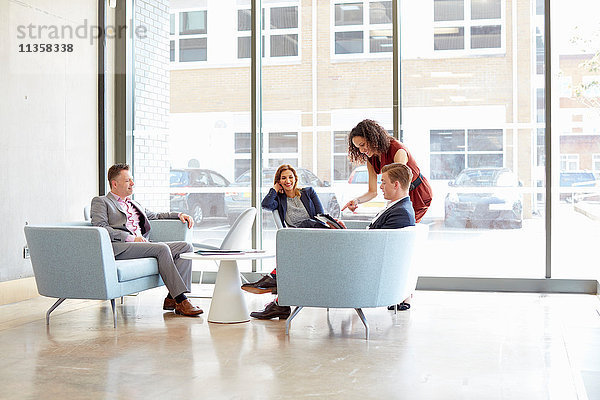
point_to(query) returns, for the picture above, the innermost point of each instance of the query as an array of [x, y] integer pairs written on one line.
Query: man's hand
[[352, 205], [188, 219], [139, 239]]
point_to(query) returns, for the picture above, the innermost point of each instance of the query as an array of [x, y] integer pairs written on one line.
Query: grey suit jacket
[[107, 213]]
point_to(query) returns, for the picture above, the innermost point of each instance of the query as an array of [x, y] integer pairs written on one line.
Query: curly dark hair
[[377, 138]]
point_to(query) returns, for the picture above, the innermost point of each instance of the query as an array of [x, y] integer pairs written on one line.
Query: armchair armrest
[[73, 262], [169, 230]]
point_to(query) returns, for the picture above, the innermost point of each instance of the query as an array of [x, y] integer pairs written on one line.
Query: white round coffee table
[[228, 305]]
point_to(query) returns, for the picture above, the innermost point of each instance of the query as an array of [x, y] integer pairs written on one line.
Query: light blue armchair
[[76, 261], [346, 268]]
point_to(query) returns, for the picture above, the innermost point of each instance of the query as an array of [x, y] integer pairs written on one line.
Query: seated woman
[[297, 209]]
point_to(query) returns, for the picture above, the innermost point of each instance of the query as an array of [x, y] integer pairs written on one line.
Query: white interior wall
[[48, 122]]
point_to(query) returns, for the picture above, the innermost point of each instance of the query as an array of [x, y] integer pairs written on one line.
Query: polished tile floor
[[449, 346]]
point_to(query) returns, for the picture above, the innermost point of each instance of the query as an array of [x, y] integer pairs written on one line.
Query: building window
[[341, 165], [596, 162], [474, 25], [283, 148], [453, 150], [363, 27], [188, 36], [569, 162], [280, 31]]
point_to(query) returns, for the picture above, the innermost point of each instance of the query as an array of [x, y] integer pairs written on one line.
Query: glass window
[[451, 38], [284, 45], [596, 162], [283, 142], [485, 139], [242, 142], [192, 50], [244, 20], [447, 140], [192, 22], [486, 37], [540, 105], [468, 25], [381, 41], [448, 10], [284, 17], [348, 14], [569, 162], [282, 34], [172, 24], [348, 42], [352, 29], [245, 47], [380, 12], [171, 50], [485, 9]]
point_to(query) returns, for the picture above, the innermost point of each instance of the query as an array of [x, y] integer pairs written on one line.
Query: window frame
[[466, 152], [467, 23], [267, 32], [366, 27], [176, 37]]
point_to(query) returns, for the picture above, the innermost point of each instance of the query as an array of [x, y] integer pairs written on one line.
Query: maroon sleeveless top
[[421, 195]]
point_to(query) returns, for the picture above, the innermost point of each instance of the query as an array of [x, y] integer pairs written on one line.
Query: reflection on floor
[[448, 346]]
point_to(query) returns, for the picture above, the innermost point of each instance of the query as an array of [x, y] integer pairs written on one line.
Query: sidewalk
[[590, 210]]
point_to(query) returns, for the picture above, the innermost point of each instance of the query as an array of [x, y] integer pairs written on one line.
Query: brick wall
[[151, 104]]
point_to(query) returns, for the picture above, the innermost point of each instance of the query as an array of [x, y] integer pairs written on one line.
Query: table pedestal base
[[228, 304]]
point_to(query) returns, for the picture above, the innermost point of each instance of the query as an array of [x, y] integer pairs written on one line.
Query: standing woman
[[369, 142]]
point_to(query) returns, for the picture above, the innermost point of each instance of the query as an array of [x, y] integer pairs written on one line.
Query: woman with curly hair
[[369, 142]]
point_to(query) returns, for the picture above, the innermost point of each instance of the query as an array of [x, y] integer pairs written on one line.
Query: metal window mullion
[[548, 137], [396, 70], [256, 118]]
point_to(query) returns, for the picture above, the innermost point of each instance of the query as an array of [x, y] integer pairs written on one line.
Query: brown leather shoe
[[187, 308], [169, 304]]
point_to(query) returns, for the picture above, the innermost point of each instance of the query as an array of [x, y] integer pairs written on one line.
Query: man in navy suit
[[395, 184]]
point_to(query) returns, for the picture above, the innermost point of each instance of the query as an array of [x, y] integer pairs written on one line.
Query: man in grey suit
[[127, 224]]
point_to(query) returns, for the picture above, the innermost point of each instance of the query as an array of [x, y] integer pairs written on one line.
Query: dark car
[[484, 198], [198, 192], [239, 200]]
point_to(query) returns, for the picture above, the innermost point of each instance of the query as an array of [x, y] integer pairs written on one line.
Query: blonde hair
[[400, 173], [287, 167]]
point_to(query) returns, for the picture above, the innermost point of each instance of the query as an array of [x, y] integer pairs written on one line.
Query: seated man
[[399, 213], [127, 224]]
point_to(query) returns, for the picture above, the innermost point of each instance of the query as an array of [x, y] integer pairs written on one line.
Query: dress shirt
[[133, 217]]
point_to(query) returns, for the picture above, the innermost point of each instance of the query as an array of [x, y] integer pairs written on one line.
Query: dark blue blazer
[[278, 201], [399, 215]]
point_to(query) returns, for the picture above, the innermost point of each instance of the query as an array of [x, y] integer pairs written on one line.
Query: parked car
[[239, 200], [358, 184], [198, 192], [484, 197], [575, 179]]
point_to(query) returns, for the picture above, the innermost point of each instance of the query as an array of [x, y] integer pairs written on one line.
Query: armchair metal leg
[[291, 317], [114, 310], [58, 303], [364, 321]]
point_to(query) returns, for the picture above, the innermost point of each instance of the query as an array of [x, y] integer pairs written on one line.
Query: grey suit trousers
[[175, 272]]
